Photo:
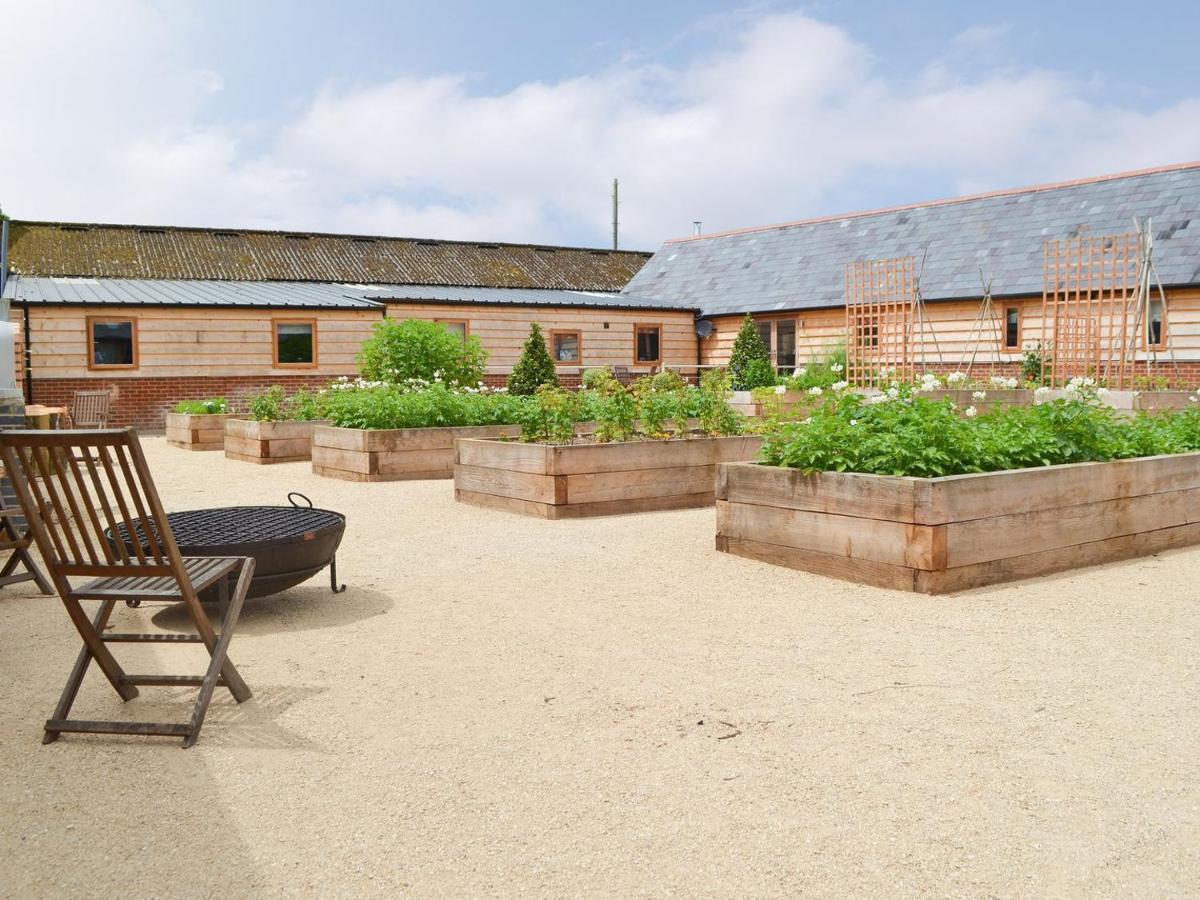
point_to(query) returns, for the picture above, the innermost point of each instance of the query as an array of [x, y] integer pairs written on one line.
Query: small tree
[[423, 350], [748, 348], [534, 368]]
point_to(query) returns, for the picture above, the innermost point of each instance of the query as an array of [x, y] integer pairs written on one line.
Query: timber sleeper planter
[[571, 481], [266, 443], [936, 535], [189, 431], [393, 454], [963, 398]]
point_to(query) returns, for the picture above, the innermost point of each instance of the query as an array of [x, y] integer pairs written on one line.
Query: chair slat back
[[91, 503], [90, 409]]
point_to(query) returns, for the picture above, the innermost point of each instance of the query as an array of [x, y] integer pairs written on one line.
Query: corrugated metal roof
[[146, 292], [130, 251], [426, 293], [802, 265]]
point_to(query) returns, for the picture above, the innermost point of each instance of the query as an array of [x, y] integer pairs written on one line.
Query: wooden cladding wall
[[954, 323], [187, 342], [504, 329]]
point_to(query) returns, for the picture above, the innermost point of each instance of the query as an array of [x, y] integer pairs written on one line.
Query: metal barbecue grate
[[243, 524]]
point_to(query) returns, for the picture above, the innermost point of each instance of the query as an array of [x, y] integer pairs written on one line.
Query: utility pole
[[616, 203]]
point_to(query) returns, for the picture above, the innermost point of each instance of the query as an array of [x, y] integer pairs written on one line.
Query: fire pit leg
[[333, 585]]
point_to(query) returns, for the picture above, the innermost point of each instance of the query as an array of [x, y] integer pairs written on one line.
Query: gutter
[[28, 353]]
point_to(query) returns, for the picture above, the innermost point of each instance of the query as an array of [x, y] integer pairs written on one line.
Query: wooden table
[[43, 417]]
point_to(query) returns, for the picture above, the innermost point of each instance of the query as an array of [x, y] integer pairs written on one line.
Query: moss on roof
[[130, 251]]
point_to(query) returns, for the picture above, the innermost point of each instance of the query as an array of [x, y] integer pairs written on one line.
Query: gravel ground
[[503, 706]]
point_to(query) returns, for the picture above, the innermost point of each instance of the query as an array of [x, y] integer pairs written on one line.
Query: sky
[[508, 121]]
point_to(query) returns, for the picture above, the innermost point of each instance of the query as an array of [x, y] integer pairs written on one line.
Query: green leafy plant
[[913, 436], [597, 379], [716, 416], [267, 406], [616, 414], [667, 380], [535, 368], [390, 406], [212, 406], [551, 417], [417, 352], [750, 361], [1035, 365]]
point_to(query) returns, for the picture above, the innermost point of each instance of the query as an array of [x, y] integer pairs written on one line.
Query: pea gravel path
[[501, 706]]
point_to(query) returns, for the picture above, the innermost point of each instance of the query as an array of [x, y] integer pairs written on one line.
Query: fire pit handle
[[293, 494]]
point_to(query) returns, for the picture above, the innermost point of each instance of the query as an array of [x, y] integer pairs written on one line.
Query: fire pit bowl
[[289, 544]]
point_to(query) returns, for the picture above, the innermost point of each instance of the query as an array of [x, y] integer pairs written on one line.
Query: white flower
[[979, 395], [854, 421], [999, 381], [780, 388], [1102, 392], [969, 412], [836, 367], [815, 391], [1041, 391], [884, 398], [800, 373], [839, 385], [956, 378], [893, 392]]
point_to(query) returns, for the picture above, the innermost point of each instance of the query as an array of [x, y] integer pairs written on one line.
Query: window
[[1012, 328], [296, 342], [1155, 333], [646, 344], [455, 326], [764, 332], [785, 343], [112, 343], [565, 345]]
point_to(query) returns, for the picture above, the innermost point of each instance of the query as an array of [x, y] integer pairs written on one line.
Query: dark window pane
[[764, 332], [1012, 326], [785, 344], [112, 343], [566, 347], [295, 342], [647, 345], [1154, 323]]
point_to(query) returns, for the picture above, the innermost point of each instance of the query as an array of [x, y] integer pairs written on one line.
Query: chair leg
[[22, 556], [220, 666], [82, 661]]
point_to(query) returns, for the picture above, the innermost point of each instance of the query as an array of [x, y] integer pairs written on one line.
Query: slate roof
[[425, 293], [801, 265], [141, 252], [134, 292]]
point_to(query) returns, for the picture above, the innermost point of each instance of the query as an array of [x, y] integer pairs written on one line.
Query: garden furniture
[[90, 409], [18, 545], [75, 485]]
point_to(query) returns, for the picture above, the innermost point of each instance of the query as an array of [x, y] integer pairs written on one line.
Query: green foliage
[[748, 348], [273, 405], [1034, 362], [212, 406], [616, 414], [909, 435], [535, 367], [823, 373], [390, 406], [597, 379], [417, 352], [667, 380], [551, 416], [715, 414]]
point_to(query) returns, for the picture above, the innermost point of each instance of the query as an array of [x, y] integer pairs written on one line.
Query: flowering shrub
[[212, 406], [897, 433], [417, 349]]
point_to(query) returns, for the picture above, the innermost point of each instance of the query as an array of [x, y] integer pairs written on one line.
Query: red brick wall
[[144, 402]]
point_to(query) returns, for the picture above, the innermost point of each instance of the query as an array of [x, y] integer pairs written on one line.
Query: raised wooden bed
[[400, 454], [997, 397], [268, 442], [1163, 400], [196, 432], [936, 535], [561, 482]]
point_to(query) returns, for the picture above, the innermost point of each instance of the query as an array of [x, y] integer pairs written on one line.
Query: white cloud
[[789, 120]]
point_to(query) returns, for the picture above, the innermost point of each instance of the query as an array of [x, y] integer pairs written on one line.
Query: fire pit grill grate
[[243, 525]]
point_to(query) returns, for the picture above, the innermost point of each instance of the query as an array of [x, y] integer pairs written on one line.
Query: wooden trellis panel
[[880, 297], [1087, 313]]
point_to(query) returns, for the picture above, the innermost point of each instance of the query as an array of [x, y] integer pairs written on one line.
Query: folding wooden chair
[[18, 546], [95, 513], [90, 409]]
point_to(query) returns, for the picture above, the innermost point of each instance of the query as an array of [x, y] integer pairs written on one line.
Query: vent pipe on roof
[[696, 227]]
